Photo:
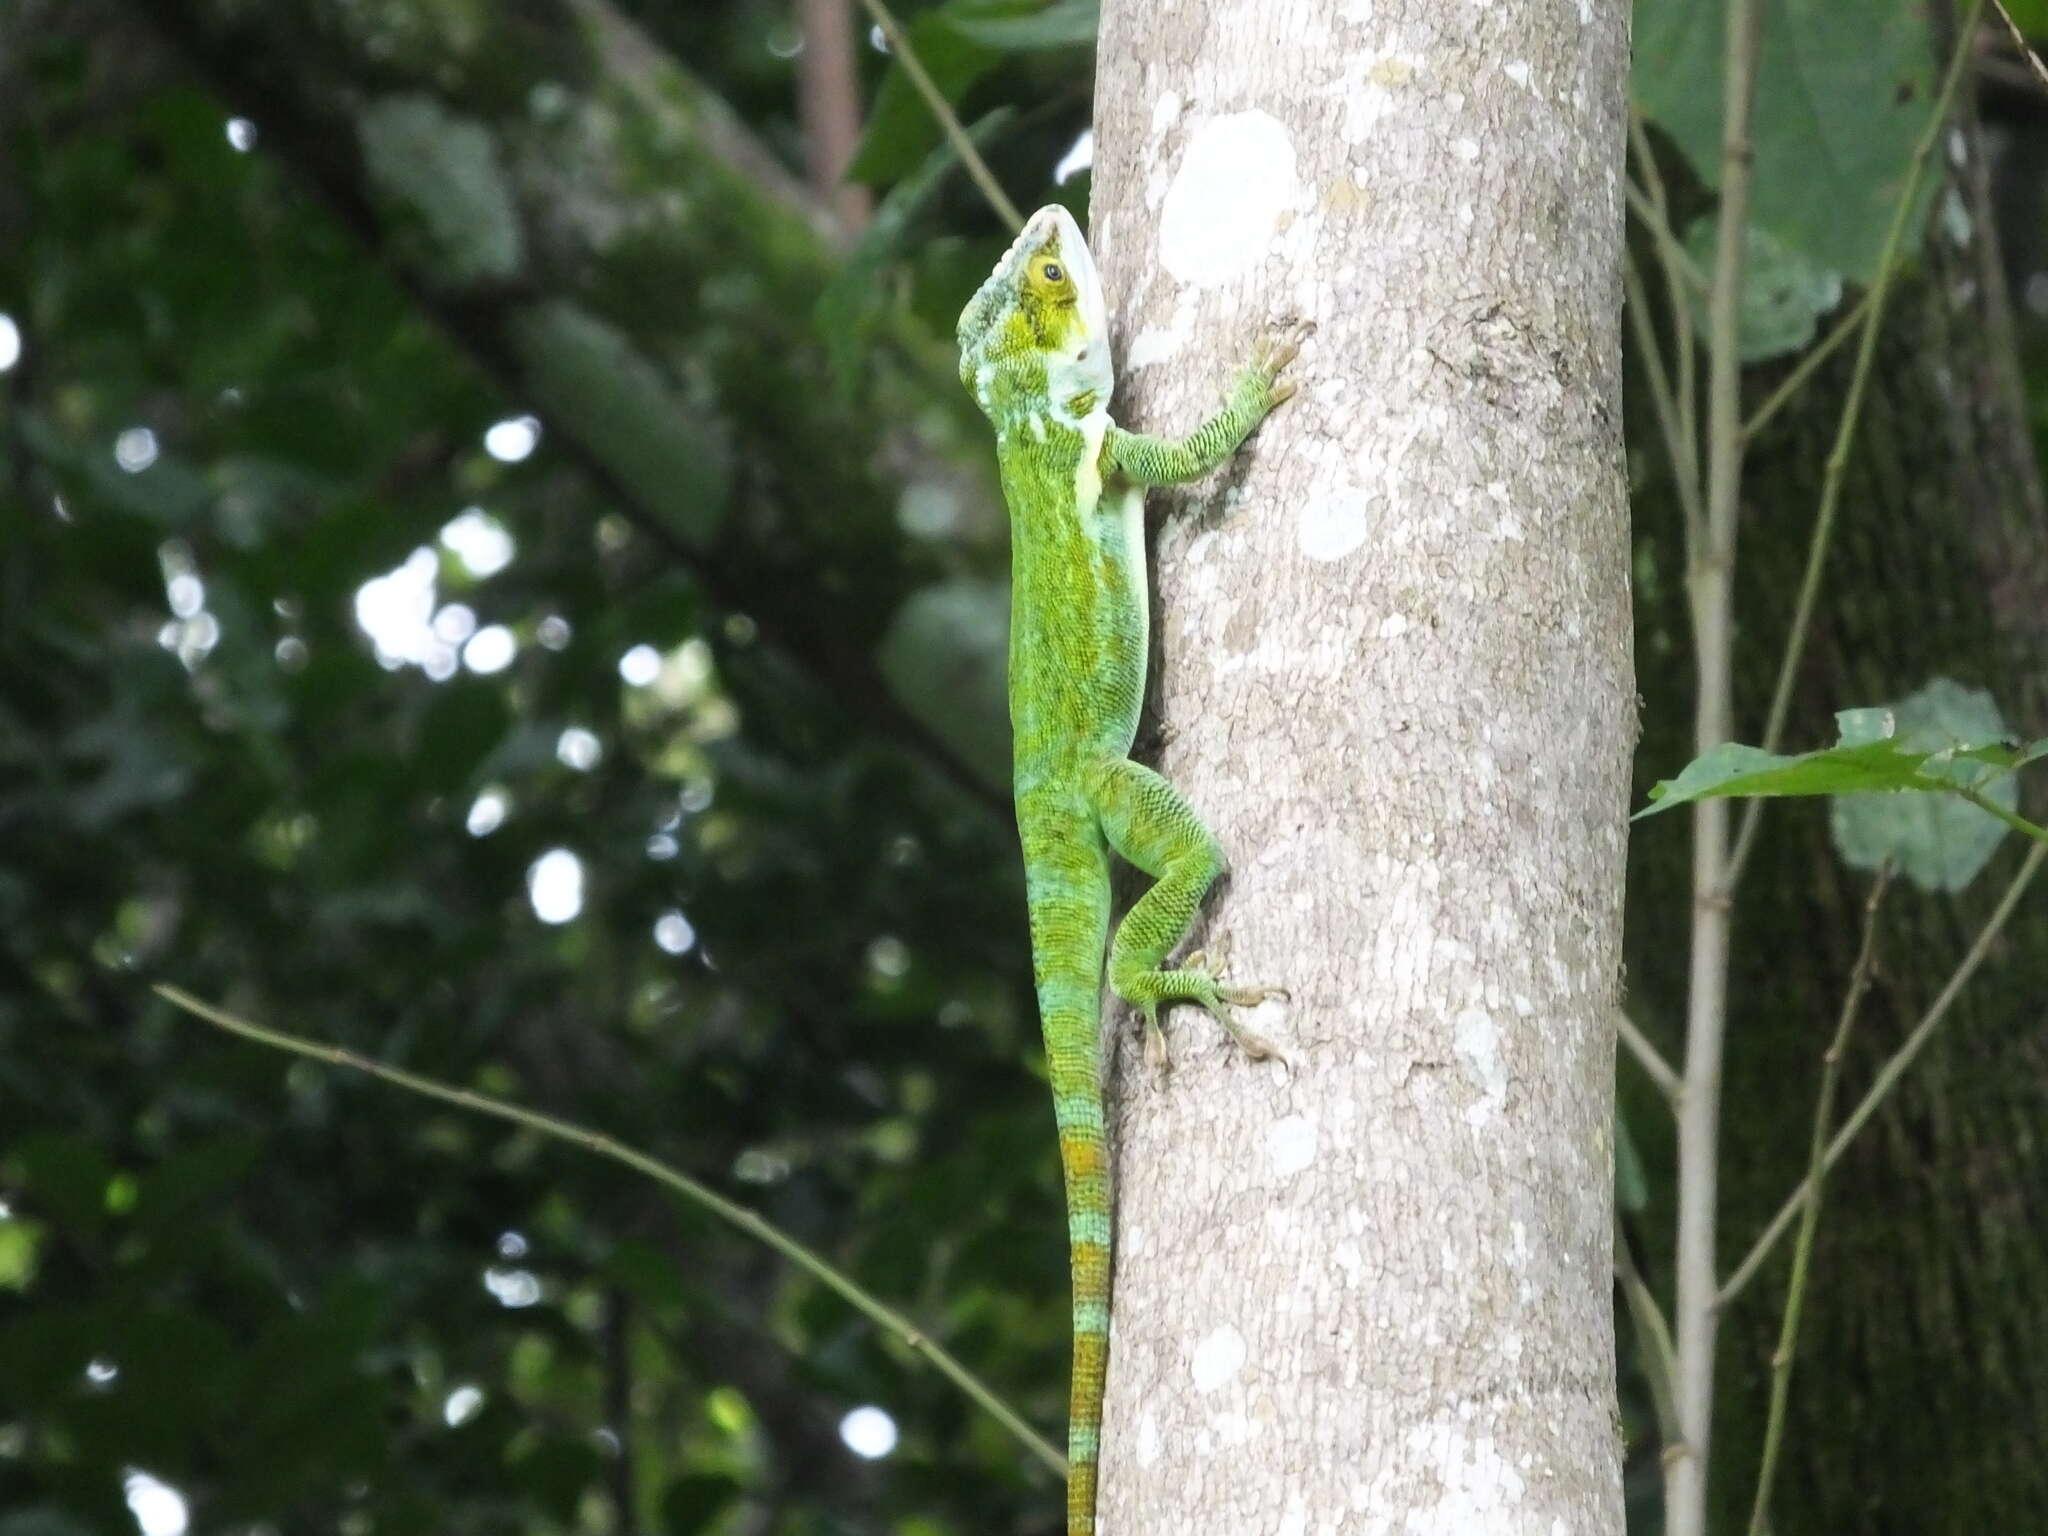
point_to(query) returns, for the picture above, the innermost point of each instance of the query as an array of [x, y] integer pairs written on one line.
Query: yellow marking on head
[[1047, 278]]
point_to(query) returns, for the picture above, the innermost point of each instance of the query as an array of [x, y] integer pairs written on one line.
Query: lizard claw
[[1274, 352], [1157, 1057], [1217, 1000]]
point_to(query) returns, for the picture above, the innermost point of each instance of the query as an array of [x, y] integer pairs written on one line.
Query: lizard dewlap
[[1035, 354]]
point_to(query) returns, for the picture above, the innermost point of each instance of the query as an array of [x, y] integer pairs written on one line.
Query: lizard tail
[[1084, 1155], [1070, 1008], [1067, 878]]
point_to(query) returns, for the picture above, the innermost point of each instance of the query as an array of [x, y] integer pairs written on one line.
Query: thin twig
[[1653, 1336], [949, 120], [1662, 400], [1802, 1249], [662, 1173], [1808, 365], [1991, 807], [1681, 277], [1651, 213], [1711, 577], [1888, 1078], [2033, 59], [1650, 1059], [1834, 474]]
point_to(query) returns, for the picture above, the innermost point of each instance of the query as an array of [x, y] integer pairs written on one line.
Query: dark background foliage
[[796, 968]]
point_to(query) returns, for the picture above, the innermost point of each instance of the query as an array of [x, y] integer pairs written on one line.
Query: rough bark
[[595, 227], [1369, 1290], [1920, 1399]]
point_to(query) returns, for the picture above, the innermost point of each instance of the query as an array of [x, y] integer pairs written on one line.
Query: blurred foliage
[[304, 1302], [1843, 89], [798, 967]]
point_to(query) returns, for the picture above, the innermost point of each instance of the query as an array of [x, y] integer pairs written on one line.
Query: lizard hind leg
[[1148, 823]]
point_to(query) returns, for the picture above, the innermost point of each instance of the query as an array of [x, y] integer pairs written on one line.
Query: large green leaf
[[1061, 24], [1858, 764], [1939, 842], [1843, 92], [854, 302]]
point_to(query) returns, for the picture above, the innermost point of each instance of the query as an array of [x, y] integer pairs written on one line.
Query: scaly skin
[[1034, 350]]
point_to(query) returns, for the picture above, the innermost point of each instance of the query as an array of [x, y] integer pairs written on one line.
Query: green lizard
[[1034, 350]]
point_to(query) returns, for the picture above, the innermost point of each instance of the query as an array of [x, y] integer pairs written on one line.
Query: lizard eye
[[1051, 271]]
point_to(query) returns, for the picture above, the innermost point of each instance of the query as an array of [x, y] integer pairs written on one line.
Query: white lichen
[[1218, 1358], [1244, 163], [1477, 1040], [1333, 522], [1290, 1145]]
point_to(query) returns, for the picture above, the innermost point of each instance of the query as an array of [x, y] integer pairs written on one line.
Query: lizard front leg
[[1147, 460], [1148, 823]]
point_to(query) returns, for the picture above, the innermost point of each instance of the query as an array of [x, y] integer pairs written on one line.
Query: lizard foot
[[1196, 980], [1274, 352]]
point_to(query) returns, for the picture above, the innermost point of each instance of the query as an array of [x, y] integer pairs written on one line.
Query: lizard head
[[1036, 333]]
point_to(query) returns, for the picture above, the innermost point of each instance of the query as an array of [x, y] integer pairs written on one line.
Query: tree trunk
[[1371, 1287]]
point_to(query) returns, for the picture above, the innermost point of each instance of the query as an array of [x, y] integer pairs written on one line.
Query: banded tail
[[1073, 1059], [1068, 880]]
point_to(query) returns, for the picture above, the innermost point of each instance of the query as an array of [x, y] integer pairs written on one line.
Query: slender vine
[[670, 1177]]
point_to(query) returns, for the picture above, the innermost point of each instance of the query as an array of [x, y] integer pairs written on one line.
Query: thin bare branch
[[1711, 577], [1888, 1078], [1802, 1250], [828, 107], [1833, 475], [949, 120], [2033, 60], [1808, 365], [673, 1178], [1681, 279], [1653, 1336], [1646, 208], [1684, 469], [1651, 1060]]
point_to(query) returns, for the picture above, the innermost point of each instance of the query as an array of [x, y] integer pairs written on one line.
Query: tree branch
[[887, 1318]]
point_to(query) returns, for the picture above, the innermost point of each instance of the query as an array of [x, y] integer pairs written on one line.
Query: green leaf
[[856, 298], [1060, 24], [1735, 771], [901, 130], [438, 173], [1843, 92], [19, 1242], [1940, 842], [1783, 293], [949, 641]]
